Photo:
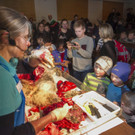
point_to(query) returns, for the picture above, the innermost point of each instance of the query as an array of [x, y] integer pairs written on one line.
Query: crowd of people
[[74, 48], [91, 52]]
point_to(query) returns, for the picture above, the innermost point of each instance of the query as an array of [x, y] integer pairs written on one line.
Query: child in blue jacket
[[119, 75]]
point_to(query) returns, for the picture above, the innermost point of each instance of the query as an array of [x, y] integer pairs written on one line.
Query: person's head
[[128, 103], [50, 17], [75, 17], [44, 21], [40, 27], [60, 45], [120, 73], [113, 10], [64, 23], [40, 39], [14, 27], [106, 31], [31, 19], [131, 35], [79, 27], [123, 35], [102, 66], [47, 28]]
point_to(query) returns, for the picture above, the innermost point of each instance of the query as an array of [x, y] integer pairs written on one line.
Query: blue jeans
[[81, 75]]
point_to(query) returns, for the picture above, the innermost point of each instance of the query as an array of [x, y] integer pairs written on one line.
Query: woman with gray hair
[[15, 32], [108, 48]]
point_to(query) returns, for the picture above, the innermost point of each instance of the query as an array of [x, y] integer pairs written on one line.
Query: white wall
[[45, 7], [95, 10]]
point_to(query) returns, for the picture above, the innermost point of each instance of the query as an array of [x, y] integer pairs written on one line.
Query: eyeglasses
[[26, 38]]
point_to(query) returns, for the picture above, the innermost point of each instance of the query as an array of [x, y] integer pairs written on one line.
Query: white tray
[[105, 114]]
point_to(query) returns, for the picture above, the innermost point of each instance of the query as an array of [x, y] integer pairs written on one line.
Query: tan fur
[[42, 92]]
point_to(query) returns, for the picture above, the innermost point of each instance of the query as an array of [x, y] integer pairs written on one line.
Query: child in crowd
[[60, 56], [44, 43], [98, 81], [128, 107], [123, 36], [81, 52], [130, 38], [40, 41], [119, 75], [49, 34]]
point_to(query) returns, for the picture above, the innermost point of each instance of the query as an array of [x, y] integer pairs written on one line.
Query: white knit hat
[[106, 63]]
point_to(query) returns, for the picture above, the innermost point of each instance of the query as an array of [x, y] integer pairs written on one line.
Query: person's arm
[[39, 124], [69, 50], [7, 126], [31, 128], [97, 48], [89, 49], [56, 115], [85, 84]]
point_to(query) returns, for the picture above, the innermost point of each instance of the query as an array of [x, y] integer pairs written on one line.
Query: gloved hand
[[60, 113]]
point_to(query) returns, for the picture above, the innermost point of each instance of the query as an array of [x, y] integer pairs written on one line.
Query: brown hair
[[13, 22], [106, 31], [79, 23], [128, 98]]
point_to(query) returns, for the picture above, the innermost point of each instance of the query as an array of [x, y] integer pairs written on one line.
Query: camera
[[74, 44]]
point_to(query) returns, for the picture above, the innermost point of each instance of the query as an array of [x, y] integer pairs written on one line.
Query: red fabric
[[122, 53], [38, 72], [24, 76], [62, 58]]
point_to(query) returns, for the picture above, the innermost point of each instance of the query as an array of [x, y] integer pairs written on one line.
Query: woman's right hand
[[59, 113]]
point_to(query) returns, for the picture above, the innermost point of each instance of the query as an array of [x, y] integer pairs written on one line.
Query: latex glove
[[60, 113]]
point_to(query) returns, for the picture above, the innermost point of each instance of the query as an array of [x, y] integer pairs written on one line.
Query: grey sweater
[[82, 58]]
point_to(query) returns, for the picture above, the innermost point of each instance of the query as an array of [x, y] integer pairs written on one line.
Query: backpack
[[121, 52]]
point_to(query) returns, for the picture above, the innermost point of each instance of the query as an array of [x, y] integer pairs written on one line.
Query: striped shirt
[[91, 82]]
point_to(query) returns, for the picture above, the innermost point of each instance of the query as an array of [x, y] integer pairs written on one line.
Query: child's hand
[[69, 45], [65, 63], [116, 103], [77, 46]]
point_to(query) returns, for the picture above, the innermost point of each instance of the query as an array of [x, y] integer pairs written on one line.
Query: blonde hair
[[13, 22], [106, 31], [79, 23]]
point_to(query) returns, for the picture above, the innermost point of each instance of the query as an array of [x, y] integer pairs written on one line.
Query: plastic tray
[[93, 97]]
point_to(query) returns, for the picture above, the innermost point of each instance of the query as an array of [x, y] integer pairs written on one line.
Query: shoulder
[[5, 76], [75, 40], [88, 38], [91, 75], [111, 85], [106, 79], [54, 52], [125, 89]]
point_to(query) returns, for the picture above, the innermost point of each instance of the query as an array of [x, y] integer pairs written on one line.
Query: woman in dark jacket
[[108, 48]]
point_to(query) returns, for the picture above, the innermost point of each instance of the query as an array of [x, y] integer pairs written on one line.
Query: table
[[122, 129]]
